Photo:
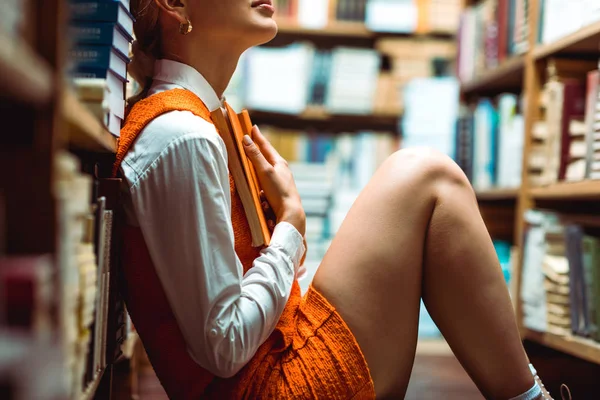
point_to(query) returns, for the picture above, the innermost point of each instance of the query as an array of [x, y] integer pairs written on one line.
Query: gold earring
[[185, 28]]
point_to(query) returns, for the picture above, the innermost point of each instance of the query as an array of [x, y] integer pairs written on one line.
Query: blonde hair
[[146, 48]]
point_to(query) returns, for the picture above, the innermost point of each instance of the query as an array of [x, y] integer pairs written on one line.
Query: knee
[[426, 168]]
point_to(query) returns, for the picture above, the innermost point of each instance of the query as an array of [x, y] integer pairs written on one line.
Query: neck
[[216, 63]]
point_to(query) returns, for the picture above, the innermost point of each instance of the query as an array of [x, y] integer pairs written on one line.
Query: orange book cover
[[238, 133]]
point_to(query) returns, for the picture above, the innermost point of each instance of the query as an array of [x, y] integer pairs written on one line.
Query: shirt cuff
[[286, 237]]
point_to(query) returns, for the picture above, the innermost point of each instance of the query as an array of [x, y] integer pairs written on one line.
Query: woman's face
[[246, 23]]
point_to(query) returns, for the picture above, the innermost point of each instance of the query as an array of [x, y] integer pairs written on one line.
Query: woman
[[222, 320]]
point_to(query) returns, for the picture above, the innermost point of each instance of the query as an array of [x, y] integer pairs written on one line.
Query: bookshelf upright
[[526, 74]]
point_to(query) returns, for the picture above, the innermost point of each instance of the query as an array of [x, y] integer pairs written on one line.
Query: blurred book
[[559, 18]]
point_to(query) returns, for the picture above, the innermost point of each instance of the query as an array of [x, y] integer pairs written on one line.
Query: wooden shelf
[[328, 122], [584, 41], [24, 76], [498, 194], [568, 191], [507, 77], [356, 30], [585, 349], [92, 387], [85, 131]]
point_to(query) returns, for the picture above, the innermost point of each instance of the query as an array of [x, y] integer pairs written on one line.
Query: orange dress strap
[[152, 107]]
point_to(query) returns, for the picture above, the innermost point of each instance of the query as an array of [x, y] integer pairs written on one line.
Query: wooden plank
[[584, 41], [584, 190], [85, 131], [496, 194], [24, 75], [583, 348], [349, 30], [507, 77], [333, 123]]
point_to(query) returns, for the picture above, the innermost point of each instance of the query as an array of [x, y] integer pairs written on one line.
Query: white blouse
[[177, 192]]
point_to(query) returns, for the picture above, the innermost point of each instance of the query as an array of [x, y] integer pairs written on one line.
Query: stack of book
[[424, 98], [408, 60], [489, 142], [491, 32], [343, 80], [559, 18], [74, 193], [564, 137], [102, 31], [561, 276]]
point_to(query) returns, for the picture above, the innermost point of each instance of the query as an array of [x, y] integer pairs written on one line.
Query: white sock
[[532, 393]]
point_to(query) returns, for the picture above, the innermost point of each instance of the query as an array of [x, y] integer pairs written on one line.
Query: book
[[102, 11], [230, 128], [592, 101], [99, 59], [577, 298], [101, 33]]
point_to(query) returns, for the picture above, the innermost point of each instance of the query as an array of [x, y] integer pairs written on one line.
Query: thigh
[[372, 271]]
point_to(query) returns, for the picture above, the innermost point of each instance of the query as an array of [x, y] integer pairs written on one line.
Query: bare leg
[[416, 232]]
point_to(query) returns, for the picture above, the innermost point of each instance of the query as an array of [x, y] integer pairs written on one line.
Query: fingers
[[255, 155], [265, 146]]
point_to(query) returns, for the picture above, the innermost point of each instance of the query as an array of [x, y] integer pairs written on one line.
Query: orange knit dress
[[311, 354]]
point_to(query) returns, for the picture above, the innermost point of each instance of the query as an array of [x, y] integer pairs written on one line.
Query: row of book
[[560, 287], [405, 16], [330, 171], [559, 18], [489, 142], [491, 32], [102, 32], [343, 80], [566, 144]]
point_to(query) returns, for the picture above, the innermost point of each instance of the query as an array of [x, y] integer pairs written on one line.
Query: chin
[[263, 31]]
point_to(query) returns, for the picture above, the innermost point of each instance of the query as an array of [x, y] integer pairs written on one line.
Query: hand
[[276, 180]]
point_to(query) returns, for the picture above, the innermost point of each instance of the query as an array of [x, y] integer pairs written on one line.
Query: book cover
[[592, 91], [573, 238], [102, 11], [101, 33], [591, 268], [595, 261], [228, 125], [99, 60], [573, 107]]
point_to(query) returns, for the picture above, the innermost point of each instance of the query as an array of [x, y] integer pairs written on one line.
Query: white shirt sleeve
[[183, 205]]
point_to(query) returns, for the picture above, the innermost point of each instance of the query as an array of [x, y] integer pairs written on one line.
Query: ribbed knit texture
[[310, 354]]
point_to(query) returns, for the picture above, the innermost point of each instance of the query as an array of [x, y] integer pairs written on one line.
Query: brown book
[[229, 126]]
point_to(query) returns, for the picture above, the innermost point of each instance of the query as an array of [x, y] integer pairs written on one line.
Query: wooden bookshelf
[[567, 191], [525, 74], [356, 30], [85, 131], [24, 75], [584, 41], [507, 77], [498, 194], [334, 123], [583, 348]]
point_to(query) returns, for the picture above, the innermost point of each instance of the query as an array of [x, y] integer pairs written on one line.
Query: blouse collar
[[189, 78]]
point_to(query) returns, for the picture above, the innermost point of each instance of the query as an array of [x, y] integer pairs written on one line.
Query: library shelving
[[341, 30], [588, 189], [507, 77], [583, 348], [525, 74], [85, 132], [584, 41], [320, 120], [32, 84], [498, 194]]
